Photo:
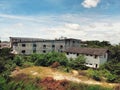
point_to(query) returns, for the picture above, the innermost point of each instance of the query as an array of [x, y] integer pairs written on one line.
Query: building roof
[[23, 39], [89, 51]]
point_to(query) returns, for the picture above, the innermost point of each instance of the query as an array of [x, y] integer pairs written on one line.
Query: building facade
[[4, 45], [94, 56], [34, 45]]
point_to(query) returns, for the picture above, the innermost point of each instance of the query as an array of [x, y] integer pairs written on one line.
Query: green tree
[[2, 83], [18, 60], [56, 57], [78, 63], [39, 59], [2, 65], [49, 58], [97, 44], [4, 52]]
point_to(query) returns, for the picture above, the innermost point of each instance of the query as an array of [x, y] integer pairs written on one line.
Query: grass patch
[[80, 86]]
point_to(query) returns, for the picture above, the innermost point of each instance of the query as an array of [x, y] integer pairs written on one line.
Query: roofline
[[40, 39], [69, 50]]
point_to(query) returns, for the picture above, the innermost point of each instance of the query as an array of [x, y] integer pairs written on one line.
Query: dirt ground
[[44, 72]]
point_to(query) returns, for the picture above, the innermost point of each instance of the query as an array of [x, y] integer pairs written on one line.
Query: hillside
[[43, 72]]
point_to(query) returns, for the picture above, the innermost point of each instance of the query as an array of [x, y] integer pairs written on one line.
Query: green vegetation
[[97, 44], [101, 75], [80, 86], [19, 85], [109, 72], [78, 63], [112, 67], [49, 58]]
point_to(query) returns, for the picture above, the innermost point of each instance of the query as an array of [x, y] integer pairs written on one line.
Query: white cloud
[[90, 3], [73, 26]]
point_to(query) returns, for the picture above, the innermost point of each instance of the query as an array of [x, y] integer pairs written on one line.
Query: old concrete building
[[35, 45], [94, 56]]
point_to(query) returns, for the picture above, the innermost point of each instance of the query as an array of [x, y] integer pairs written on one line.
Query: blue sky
[[82, 19]]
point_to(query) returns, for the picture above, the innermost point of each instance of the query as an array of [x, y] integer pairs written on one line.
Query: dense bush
[[49, 58], [112, 71], [2, 64], [94, 74], [21, 86], [18, 60], [78, 63], [2, 83], [17, 85], [101, 75], [79, 86]]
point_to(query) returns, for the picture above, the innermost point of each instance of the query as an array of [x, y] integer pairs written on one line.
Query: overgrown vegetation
[[80, 86], [49, 58], [111, 69], [78, 63], [109, 72], [17, 85]]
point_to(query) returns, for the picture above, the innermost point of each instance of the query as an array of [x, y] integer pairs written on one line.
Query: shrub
[[80, 86], [39, 59], [111, 77], [94, 74], [2, 65], [78, 63], [27, 64], [49, 58], [18, 60], [21, 86]]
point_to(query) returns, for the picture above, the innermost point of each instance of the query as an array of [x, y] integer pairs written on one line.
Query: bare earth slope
[[43, 72]]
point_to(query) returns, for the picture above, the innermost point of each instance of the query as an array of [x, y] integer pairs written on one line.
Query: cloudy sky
[[81, 19]]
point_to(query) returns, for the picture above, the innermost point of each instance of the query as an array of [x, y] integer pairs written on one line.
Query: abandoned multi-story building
[[94, 56], [36, 45]]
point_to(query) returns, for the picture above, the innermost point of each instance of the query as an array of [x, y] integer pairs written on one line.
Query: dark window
[[34, 51], [44, 46], [77, 54], [44, 51], [95, 56], [96, 65], [15, 44], [23, 51], [34, 45], [61, 46], [73, 41], [67, 53], [23, 45], [73, 44], [104, 55], [53, 46]]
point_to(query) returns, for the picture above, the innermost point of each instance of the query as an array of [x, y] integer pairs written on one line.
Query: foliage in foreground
[[101, 75], [49, 58], [78, 63], [19, 85], [79, 86]]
